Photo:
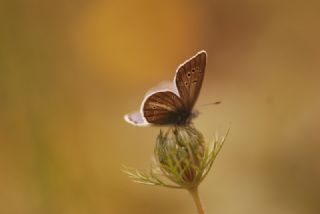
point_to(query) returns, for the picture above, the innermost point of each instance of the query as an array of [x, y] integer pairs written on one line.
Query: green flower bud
[[180, 152]]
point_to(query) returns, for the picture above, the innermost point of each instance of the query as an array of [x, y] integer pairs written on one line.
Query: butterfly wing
[[189, 77], [163, 108], [136, 118]]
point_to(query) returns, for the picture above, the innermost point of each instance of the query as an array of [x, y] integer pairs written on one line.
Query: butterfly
[[172, 104]]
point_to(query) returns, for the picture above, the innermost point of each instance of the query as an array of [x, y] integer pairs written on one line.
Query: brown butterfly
[[173, 104]]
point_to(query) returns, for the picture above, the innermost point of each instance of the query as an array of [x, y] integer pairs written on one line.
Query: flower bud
[[180, 152]]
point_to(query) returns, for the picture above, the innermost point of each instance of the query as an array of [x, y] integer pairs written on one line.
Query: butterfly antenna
[[209, 104]]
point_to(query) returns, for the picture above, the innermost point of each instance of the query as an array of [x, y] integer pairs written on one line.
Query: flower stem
[[196, 198]]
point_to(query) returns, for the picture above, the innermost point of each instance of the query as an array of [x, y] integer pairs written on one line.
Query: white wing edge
[[163, 86]]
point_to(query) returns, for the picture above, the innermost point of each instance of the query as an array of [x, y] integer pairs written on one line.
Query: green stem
[[196, 198]]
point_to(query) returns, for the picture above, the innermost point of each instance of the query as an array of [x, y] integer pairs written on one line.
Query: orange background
[[70, 70]]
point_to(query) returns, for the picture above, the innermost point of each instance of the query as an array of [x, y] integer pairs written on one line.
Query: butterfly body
[[174, 106]]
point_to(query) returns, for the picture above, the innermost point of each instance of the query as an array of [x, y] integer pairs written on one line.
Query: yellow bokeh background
[[70, 70]]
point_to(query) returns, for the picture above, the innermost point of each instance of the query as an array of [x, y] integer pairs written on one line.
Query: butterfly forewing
[[136, 118], [189, 79], [162, 108]]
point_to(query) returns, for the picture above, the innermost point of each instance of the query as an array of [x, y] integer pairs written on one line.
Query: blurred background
[[70, 70]]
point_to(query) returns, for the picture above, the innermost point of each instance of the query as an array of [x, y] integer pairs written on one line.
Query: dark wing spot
[[188, 74], [186, 83], [193, 70]]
